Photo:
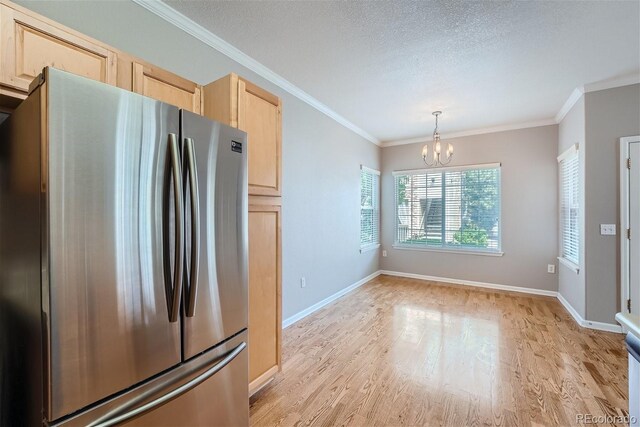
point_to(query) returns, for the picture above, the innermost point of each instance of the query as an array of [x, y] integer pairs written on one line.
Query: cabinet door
[[259, 115], [164, 86], [28, 45], [265, 324]]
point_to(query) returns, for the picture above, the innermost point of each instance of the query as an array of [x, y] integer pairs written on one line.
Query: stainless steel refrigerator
[[123, 261]]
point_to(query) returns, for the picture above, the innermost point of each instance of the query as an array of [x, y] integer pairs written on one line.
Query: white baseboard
[[572, 311], [600, 326], [317, 306], [472, 283]]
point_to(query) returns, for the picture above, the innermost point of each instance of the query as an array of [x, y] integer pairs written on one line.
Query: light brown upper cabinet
[[167, 87], [242, 104], [29, 44]]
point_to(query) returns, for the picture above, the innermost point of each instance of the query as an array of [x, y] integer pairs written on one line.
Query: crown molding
[[576, 94], [190, 27], [625, 80], [187, 25], [569, 103], [471, 132]]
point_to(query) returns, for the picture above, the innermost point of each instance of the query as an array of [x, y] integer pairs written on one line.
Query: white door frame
[[625, 220]]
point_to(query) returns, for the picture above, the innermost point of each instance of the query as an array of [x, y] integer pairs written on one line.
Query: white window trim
[[464, 251], [447, 169], [569, 264], [461, 251], [573, 150], [372, 246], [366, 169]]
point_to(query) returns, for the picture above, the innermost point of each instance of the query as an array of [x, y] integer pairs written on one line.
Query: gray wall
[[609, 115], [572, 285], [596, 122], [529, 210], [321, 159]]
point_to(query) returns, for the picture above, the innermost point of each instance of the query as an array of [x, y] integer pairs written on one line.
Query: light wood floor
[[408, 352]]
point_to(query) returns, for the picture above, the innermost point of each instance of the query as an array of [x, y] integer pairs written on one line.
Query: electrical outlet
[[551, 268], [384, 253], [303, 282], [607, 229]]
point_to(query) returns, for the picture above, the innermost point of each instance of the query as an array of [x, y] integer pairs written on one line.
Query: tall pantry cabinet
[[242, 104]]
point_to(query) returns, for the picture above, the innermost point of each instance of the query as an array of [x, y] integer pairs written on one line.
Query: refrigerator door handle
[[174, 393], [174, 288], [195, 228]]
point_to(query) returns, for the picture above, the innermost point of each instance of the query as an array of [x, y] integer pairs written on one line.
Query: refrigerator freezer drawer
[[210, 390]]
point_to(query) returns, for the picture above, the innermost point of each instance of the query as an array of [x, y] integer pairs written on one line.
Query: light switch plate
[[607, 229], [551, 268], [384, 253]]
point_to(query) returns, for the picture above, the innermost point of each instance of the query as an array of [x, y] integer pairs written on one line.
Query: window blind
[[449, 208], [369, 207], [569, 207]]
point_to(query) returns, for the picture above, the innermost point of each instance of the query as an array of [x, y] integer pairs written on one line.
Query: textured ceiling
[[386, 65]]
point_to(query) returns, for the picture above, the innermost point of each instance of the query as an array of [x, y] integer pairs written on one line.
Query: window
[[569, 206], [369, 208], [449, 208]]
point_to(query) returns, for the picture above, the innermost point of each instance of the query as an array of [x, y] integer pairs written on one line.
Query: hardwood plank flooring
[[401, 351]]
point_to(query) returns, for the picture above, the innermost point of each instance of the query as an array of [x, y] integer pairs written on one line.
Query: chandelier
[[436, 158]]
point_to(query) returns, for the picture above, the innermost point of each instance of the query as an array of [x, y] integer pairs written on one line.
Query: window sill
[[570, 265], [449, 251], [369, 247]]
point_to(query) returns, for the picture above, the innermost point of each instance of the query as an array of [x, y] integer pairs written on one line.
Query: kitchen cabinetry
[[242, 104], [29, 44], [265, 318], [164, 86]]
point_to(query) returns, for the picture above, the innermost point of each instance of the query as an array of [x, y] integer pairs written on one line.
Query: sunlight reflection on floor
[[431, 342]]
